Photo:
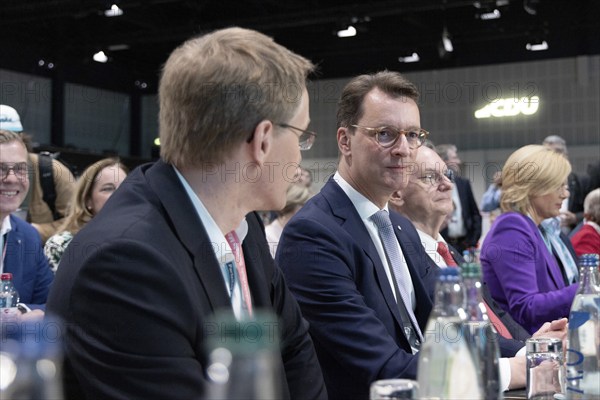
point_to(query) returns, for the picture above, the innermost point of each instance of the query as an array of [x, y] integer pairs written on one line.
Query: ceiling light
[[543, 45], [348, 32], [446, 42], [100, 57], [118, 47], [414, 57], [113, 11], [494, 14]]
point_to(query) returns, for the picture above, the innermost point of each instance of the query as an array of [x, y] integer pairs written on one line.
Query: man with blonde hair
[[179, 239]]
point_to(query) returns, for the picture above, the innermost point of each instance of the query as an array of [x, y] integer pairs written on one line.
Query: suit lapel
[[549, 258], [190, 231], [254, 260], [343, 209]]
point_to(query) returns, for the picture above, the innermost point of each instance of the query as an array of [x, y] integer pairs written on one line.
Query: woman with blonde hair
[[296, 196], [97, 183], [517, 261]]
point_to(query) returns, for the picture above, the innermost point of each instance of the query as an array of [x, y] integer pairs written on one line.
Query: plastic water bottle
[[447, 369], [243, 357], [583, 349], [480, 332], [9, 298]]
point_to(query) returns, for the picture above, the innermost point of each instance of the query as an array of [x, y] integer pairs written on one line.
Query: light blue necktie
[[390, 244], [552, 228]]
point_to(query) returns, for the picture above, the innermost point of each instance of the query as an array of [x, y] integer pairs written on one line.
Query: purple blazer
[[522, 275]]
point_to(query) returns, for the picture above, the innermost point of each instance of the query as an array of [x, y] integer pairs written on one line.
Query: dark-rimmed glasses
[[19, 169], [387, 136], [306, 139], [435, 178]]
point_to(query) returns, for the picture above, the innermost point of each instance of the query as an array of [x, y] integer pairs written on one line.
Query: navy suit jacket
[[333, 268], [25, 259], [470, 212], [137, 287]]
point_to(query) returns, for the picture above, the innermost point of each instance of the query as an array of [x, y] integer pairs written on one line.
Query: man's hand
[[518, 372], [555, 329]]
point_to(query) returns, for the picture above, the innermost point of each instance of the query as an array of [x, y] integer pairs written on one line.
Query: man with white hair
[[587, 239]]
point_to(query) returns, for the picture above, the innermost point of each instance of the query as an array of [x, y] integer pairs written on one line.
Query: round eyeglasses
[[306, 138], [19, 169], [435, 178], [387, 136]]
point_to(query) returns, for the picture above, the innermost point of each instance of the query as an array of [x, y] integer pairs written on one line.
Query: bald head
[[427, 199]]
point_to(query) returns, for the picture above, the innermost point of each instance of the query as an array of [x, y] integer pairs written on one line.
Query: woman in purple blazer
[[521, 272]]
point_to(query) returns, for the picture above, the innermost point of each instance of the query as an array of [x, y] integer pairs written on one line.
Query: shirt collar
[[365, 207], [220, 244], [6, 226]]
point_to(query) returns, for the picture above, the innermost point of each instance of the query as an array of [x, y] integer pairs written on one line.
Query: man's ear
[[262, 141], [344, 140]]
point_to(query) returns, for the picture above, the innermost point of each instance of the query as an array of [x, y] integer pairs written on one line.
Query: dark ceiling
[[67, 32]]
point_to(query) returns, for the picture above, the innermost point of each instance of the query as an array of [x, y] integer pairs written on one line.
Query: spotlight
[[539, 46], [414, 57], [100, 57], [494, 14], [348, 32], [113, 11]]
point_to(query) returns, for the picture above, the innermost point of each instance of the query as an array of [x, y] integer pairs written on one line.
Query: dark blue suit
[[25, 259], [138, 286], [333, 268]]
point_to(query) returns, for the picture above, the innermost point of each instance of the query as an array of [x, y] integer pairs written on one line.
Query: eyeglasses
[[19, 169], [387, 136], [434, 178], [306, 139]]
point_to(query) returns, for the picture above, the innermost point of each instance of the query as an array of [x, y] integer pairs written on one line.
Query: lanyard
[[236, 248]]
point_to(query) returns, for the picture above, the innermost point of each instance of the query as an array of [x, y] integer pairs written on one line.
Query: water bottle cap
[[449, 274], [7, 276], [589, 260]]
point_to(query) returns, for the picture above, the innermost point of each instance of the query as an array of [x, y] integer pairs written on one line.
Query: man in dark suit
[[138, 285], [426, 202], [464, 228], [21, 250], [365, 319]]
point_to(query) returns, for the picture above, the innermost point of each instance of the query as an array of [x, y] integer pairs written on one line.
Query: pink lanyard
[[234, 243]]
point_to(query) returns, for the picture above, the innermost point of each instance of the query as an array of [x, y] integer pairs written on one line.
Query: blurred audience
[[297, 195], [572, 209], [587, 239], [464, 228], [44, 208], [20, 245], [97, 183], [518, 266]]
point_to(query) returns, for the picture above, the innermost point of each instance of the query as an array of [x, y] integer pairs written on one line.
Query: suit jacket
[[137, 287], [518, 333], [586, 240], [25, 259], [333, 268], [470, 212], [522, 275]]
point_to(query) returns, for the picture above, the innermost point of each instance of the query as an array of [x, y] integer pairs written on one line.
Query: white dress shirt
[[366, 208]]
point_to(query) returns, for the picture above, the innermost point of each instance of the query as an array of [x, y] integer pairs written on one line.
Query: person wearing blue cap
[[43, 207]]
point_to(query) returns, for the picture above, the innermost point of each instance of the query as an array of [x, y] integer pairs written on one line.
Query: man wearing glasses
[[359, 272], [20, 245], [179, 240]]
